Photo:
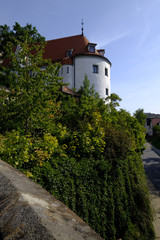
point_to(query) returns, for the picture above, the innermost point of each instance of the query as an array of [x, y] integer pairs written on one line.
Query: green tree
[[86, 89], [140, 116], [113, 100], [19, 33], [156, 131], [32, 91]]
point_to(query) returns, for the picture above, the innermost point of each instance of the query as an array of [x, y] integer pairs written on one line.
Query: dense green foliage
[[18, 33], [30, 97], [155, 138], [156, 131], [140, 116], [83, 151]]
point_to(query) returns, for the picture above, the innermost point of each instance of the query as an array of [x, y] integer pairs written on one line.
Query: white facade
[[67, 73], [83, 65]]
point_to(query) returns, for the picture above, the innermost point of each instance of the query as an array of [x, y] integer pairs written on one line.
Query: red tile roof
[[56, 49]]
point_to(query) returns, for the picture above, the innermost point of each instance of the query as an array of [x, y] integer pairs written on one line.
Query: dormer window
[[69, 52], [91, 47]]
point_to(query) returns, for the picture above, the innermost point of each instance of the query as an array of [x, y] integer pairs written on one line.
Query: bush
[[156, 131], [155, 139], [88, 155]]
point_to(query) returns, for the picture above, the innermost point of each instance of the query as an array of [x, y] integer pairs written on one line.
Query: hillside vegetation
[[83, 151]]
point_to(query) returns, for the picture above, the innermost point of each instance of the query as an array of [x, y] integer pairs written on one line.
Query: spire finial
[[82, 26]]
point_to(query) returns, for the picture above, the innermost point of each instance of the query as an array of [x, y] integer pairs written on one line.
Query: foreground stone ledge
[[28, 212]]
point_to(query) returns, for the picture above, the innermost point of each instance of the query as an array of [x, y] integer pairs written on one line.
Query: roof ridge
[[66, 37]]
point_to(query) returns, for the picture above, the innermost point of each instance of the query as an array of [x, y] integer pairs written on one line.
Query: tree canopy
[[17, 34], [140, 116], [30, 86]]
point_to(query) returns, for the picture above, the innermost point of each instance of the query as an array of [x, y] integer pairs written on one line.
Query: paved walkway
[[151, 161]]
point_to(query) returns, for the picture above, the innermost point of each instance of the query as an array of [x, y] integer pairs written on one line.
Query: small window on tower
[[95, 68], [106, 72], [67, 69], [107, 91]]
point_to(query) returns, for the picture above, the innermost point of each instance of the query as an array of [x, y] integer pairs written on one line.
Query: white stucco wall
[[84, 65], [68, 77]]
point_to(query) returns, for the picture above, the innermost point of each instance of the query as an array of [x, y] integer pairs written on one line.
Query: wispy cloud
[[113, 39]]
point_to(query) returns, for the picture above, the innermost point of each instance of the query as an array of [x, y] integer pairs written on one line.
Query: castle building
[[78, 57]]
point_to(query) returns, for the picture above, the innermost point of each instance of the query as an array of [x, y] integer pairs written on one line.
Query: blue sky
[[128, 30]]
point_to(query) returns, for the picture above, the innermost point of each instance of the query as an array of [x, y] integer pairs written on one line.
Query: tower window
[[106, 72], [107, 91], [62, 70], [95, 68], [67, 69]]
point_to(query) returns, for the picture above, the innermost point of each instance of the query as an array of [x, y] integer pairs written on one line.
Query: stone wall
[[29, 212]]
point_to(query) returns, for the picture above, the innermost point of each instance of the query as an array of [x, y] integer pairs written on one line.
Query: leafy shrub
[[156, 131]]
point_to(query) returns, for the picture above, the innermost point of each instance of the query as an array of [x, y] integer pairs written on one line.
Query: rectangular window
[[62, 70], [106, 72], [95, 68], [67, 69], [107, 91]]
